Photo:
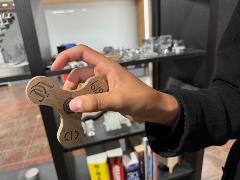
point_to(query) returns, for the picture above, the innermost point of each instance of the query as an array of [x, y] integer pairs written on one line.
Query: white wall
[[96, 23]]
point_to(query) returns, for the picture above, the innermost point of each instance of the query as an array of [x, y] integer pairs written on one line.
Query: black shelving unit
[[103, 136], [36, 42], [192, 54], [181, 172], [15, 78]]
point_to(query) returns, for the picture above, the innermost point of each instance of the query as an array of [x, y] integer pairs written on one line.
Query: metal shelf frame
[[188, 54], [36, 42]]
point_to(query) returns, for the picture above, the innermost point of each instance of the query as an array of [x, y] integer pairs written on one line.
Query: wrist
[[167, 109]]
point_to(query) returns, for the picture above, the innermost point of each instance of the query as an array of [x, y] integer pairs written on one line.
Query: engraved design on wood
[[40, 91], [71, 135], [96, 87]]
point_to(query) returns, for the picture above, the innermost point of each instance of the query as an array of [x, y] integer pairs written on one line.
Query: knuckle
[[76, 71], [82, 46], [73, 71], [99, 103], [63, 54], [120, 100], [90, 103], [66, 87]]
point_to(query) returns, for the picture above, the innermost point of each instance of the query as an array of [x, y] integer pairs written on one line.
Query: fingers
[[80, 52], [129, 117], [78, 75], [96, 102], [135, 118]]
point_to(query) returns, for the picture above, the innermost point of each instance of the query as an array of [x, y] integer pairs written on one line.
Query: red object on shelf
[[116, 168], [65, 76]]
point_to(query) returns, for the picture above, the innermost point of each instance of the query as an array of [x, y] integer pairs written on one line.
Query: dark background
[[189, 20]]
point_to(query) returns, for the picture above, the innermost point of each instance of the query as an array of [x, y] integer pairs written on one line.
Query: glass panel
[[13, 60], [23, 142]]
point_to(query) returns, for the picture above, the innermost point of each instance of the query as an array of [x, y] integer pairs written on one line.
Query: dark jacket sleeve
[[208, 116]]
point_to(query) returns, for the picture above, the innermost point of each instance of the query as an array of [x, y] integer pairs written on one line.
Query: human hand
[[127, 94]]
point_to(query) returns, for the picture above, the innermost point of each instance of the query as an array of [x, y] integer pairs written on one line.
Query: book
[[155, 166], [115, 164], [149, 162], [140, 154], [145, 145], [131, 166], [98, 166]]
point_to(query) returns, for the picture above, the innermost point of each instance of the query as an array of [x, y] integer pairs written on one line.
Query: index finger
[[77, 53]]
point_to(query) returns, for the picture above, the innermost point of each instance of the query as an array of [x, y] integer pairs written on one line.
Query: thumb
[[95, 102]]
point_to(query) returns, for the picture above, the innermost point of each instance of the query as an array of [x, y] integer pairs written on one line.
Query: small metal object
[[90, 130], [66, 107], [32, 174]]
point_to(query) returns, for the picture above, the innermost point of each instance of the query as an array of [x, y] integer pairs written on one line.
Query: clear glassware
[[178, 46], [112, 53], [89, 128], [155, 44], [147, 49], [131, 54], [165, 43], [147, 46], [178, 43]]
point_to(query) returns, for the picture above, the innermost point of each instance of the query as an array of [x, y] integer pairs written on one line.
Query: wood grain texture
[[43, 91], [140, 21]]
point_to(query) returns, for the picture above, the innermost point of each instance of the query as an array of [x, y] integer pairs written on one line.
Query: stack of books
[[140, 163]]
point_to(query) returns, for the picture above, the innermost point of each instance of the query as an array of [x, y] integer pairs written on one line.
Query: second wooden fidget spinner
[[42, 90]]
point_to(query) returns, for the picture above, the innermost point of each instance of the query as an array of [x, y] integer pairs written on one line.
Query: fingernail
[[76, 105]]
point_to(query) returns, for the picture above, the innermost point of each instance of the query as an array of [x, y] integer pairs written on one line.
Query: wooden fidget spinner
[[42, 90]]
